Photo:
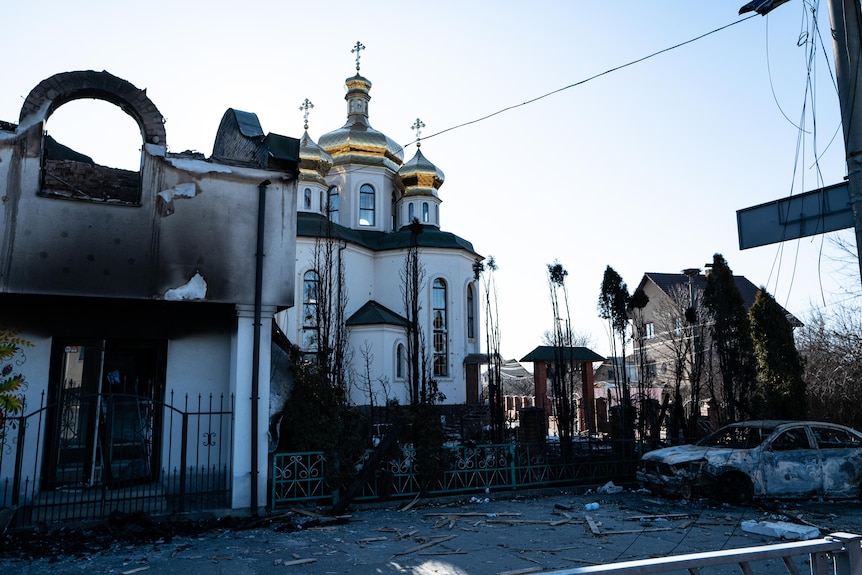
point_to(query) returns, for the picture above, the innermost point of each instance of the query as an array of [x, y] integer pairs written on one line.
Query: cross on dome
[[305, 107], [359, 46], [417, 127]]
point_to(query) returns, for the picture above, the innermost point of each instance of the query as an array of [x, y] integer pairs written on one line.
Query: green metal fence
[[301, 477]]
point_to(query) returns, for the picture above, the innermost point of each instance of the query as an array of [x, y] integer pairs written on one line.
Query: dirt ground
[[498, 533]]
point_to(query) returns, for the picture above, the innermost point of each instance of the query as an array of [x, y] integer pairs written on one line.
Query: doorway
[[105, 411]]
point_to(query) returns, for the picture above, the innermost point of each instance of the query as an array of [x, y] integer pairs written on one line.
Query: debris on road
[[781, 529]]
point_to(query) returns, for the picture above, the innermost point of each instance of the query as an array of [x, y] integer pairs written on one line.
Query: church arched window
[[332, 204], [310, 287], [307, 199], [366, 205], [400, 358], [440, 328], [425, 214], [471, 314]]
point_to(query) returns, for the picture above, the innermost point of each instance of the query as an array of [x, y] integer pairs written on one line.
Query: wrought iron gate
[[90, 455]]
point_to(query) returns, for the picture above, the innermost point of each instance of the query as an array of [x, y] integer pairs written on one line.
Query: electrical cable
[[589, 79]]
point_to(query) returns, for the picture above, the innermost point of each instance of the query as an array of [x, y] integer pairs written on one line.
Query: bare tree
[[846, 255], [579, 338], [831, 348], [564, 373], [680, 339], [492, 347], [372, 387], [330, 302], [422, 388]]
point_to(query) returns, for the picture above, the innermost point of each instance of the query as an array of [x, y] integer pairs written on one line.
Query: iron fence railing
[[836, 554], [298, 477], [135, 455]]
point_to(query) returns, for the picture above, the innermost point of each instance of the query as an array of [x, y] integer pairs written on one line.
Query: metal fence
[[128, 454], [298, 477], [836, 554]]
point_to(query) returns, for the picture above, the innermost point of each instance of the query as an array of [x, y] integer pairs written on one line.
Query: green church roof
[[372, 313], [315, 226]]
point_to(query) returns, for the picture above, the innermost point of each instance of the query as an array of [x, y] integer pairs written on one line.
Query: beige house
[[671, 337]]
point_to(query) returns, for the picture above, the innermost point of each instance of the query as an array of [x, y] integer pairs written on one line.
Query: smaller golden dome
[[419, 177], [314, 163]]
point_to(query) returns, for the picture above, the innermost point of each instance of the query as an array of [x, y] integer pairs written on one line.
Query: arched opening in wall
[[92, 152]]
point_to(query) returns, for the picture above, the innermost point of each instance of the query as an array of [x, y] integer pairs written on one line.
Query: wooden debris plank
[[651, 517], [644, 530], [371, 539], [305, 512], [594, 527], [427, 544], [440, 523], [299, 562], [411, 504], [521, 521], [136, 570]]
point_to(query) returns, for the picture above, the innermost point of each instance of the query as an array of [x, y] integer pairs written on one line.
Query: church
[[360, 208]]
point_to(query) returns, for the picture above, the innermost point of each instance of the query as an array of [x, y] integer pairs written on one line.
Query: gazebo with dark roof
[[545, 354]]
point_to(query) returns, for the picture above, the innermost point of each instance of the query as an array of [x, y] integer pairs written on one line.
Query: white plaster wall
[[199, 364], [349, 179], [377, 276]]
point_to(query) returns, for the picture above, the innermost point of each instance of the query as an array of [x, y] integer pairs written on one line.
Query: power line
[[584, 81]]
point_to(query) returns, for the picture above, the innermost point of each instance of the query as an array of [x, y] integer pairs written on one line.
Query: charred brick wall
[[84, 181]]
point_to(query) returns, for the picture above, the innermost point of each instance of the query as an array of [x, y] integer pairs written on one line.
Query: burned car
[[760, 459]]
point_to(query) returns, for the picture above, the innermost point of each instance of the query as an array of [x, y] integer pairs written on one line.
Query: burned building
[[136, 307]]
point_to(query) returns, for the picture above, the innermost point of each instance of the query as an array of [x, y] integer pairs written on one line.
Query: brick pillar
[[540, 378], [472, 382], [588, 395]]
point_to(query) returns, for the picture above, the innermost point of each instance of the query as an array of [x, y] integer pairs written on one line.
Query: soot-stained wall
[[139, 236]]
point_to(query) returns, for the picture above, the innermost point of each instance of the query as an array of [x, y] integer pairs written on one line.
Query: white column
[[242, 345]]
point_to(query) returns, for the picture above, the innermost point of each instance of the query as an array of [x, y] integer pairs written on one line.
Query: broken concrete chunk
[[781, 529], [609, 487]]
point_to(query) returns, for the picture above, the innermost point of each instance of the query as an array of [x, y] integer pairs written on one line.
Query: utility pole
[[845, 18]]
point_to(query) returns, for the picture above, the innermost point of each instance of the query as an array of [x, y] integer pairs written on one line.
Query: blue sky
[[641, 169]]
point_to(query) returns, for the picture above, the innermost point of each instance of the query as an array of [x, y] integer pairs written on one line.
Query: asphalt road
[[495, 534]]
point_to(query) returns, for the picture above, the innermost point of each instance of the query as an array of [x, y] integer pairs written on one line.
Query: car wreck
[[760, 459]]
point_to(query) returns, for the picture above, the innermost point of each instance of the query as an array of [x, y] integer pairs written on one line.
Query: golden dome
[[419, 177], [314, 163], [357, 142]]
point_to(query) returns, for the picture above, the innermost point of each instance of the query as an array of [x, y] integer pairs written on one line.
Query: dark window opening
[[439, 323], [105, 416], [91, 151]]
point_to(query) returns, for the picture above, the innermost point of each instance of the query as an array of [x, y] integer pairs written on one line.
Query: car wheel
[[734, 487]]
